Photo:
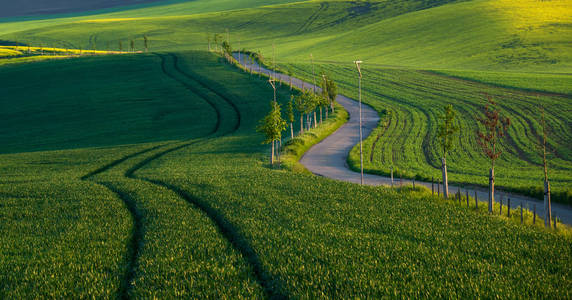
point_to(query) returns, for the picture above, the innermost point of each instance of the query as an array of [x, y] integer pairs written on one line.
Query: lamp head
[[358, 63]]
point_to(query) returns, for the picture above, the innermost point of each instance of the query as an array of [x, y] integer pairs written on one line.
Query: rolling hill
[[482, 34], [203, 215], [142, 175]]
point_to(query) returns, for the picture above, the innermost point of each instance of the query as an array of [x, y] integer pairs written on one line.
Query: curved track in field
[[329, 157], [227, 230]]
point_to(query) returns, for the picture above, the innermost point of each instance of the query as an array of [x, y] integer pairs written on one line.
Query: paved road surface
[[328, 158]]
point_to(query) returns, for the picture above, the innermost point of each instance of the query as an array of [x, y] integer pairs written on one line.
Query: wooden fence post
[[459, 194], [391, 176], [467, 194], [508, 213], [438, 189], [547, 205], [555, 221], [491, 190]]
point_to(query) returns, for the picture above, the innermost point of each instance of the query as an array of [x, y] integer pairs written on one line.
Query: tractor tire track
[[208, 87], [312, 18], [272, 286], [136, 238], [137, 234], [381, 134], [192, 90]]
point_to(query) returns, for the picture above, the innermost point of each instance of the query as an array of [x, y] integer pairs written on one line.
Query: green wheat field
[[133, 169]]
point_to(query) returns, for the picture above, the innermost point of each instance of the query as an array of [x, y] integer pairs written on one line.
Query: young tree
[[323, 103], [314, 103], [146, 43], [309, 100], [547, 205], [120, 46], [300, 103], [290, 112], [132, 45], [325, 91], [495, 127], [330, 92], [226, 48], [217, 39], [259, 59], [209, 41], [272, 126], [446, 135]]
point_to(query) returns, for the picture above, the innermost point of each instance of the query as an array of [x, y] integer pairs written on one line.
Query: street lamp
[[314, 87], [272, 82], [358, 62]]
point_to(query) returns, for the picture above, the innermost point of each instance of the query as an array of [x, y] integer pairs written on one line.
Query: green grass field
[[204, 216], [532, 82], [142, 175], [410, 102]]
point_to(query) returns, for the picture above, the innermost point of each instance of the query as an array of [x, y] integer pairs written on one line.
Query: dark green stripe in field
[[99, 101]]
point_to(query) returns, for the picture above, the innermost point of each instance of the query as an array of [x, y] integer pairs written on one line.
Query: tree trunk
[[491, 189], [326, 112], [291, 131], [445, 181], [315, 120], [272, 154], [320, 115], [332, 106], [547, 206], [301, 124], [391, 176]]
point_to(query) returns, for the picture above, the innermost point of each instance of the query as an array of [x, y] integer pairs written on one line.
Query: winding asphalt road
[[329, 157]]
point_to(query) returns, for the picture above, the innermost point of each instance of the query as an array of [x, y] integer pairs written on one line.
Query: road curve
[[329, 157]]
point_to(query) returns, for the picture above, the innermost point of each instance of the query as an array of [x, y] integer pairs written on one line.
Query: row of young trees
[[146, 44], [493, 128], [221, 44], [306, 104], [92, 47]]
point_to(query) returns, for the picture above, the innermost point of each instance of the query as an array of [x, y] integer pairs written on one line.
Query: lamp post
[[358, 63], [273, 84], [314, 87]]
